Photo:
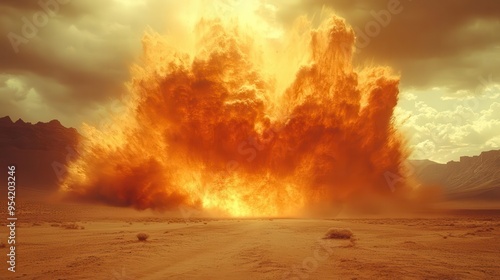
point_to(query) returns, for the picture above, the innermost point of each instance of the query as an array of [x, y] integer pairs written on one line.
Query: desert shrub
[[142, 236], [71, 226], [336, 233]]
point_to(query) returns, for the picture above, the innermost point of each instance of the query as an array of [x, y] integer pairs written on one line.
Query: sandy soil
[[65, 241]]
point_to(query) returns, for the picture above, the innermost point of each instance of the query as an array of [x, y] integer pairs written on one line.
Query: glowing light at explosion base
[[246, 124]]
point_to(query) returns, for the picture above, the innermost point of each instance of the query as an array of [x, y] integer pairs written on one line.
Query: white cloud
[[443, 135], [409, 96]]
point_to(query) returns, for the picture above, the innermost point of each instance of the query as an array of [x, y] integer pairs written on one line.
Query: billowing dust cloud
[[247, 124]]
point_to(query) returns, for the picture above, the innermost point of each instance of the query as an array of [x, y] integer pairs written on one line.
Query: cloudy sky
[[69, 59]]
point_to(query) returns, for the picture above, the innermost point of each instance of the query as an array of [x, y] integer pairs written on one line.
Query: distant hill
[[39, 151], [476, 177]]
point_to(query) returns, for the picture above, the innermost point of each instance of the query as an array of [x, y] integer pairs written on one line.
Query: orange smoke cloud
[[246, 124]]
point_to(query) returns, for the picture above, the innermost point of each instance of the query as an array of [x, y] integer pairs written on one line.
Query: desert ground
[[79, 241]]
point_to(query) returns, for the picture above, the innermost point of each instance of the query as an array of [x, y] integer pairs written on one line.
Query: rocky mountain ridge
[[472, 177], [39, 151]]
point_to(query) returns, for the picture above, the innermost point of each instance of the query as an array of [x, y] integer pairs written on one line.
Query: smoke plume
[[246, 122]]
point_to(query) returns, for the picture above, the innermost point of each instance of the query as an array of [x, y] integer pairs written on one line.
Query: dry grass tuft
[[71, 226], [142, 236], [336, 233]]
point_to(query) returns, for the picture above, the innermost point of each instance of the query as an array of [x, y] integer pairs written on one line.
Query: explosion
[[246, 124]]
